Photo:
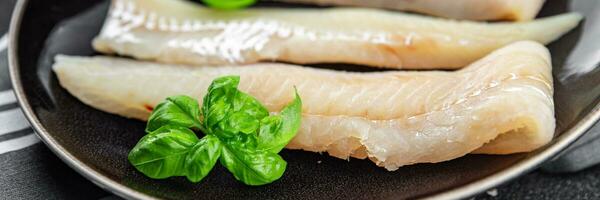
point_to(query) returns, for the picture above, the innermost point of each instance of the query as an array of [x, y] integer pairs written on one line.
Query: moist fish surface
[[518, 10], [500, 104], [179, 32]]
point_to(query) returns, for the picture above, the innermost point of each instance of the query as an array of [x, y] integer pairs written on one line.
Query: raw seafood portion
[[181, 32], [498, 105], [519, 10]]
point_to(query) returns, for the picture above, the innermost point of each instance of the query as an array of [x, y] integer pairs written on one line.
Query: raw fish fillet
[[179, 32], [519, 10], [500, 104]]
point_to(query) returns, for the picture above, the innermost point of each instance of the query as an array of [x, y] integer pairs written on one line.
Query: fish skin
[[178, 32], [517, 10], [500, 104]]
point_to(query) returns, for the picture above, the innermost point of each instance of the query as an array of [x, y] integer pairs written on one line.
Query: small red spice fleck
[[148, 107]]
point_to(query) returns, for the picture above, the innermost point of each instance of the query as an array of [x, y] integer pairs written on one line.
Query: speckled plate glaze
[[96, 143]]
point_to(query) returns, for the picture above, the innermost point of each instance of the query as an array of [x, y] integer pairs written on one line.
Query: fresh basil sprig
[[229, 4], [239, 132]]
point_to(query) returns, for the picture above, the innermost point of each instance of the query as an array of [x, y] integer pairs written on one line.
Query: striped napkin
[[15, 132]]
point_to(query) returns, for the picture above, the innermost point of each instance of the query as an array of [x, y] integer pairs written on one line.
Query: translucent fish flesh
[[500, 104], [518, 10], [179, 32]]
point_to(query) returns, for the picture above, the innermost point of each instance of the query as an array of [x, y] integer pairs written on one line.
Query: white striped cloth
[[3, 42], [15, 132]]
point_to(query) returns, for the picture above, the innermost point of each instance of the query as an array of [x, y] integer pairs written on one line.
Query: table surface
[[34, 172]]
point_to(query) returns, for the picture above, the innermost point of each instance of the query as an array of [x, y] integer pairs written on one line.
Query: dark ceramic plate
[[96, 143]]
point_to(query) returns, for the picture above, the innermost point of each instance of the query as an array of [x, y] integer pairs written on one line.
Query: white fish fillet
[[180, 32], [519, 10], [501, 104]]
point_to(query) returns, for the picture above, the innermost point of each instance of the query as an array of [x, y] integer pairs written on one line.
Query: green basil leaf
[[245, 141], [162, 153], [244, 103], [244, 117], [240, 122], [218, 101], [181, 111], [252, 167], [277, 131], [228, 111], [202, 158], [229, 4]]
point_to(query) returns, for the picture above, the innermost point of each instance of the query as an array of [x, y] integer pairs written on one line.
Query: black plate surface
[[96, 143]]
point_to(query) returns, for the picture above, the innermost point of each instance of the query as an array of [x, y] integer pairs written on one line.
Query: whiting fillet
[[179, 32], [518, 10], [500, 104]]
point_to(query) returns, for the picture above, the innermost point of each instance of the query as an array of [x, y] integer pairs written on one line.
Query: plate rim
[[521, 167]]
